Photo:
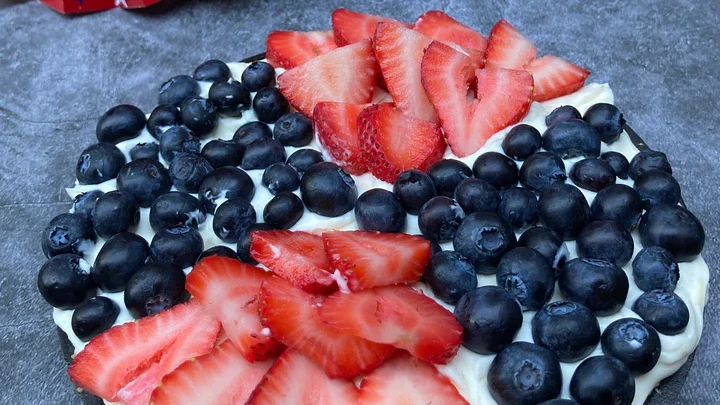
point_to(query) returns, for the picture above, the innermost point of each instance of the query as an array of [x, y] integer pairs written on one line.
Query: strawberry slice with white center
[[222, 376], [555, 77], [125, 363], [351, 26], [440, 26], [335, 126], [404, 380], [503, 97], [344, 75], [393, 142], [508, 48], [295, 380], [288, 49], [399, 52], [370, 259], [397, 315], [293, 318], [229, 290]]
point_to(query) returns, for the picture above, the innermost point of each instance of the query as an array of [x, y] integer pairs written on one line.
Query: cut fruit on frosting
[[287, 49], [555, 77], [441, 27], [351, 26], [508, 48], [336, 128]]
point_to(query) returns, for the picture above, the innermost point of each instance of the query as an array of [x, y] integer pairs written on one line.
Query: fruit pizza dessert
[[384, 213]]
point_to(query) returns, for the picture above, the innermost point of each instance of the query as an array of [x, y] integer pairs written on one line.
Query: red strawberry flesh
[[555, 77], [508, 48], [288, 49], [440, 26], [336, 128], [351, 26]]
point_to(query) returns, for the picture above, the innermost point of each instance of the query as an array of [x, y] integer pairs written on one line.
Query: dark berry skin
[[115, 211], [562, 113], [528, 276], [548, 243], [522, 141], [174, 209], [648, 160], [258, 75], [654, 268], [328, 190], [199, 115], [84, 203], [145, 151], [607, 120], [65, 282], [188, 171], [618, 162], [598, 284], [230, 97], [674, 228], [518, 206], [568, 329], [633, 342], [439, 218], [283, 210], [219, 250], [119, 258], [177, 89], [154, 288], [490, 318], [219, 153], [572, 138], [225, 182], [450, 276], [619, 203], [252, 132], [656, 187], [592, 174], [67, 233], [564, 209], [279, 177], [161, 118], [93, 317], [541, 170], [233, 218], [293, 129], [484, 238], [524, 374], [145, 179], [559, 402], [120, 123], [178, 140], [607, 240], [212, 70], [243, 245], [380, 211], [602, 380], [446, 174], [475, 195], [269, 104], [98, 163], [180, 246], [302, 159], [413, 188], [262, 154], [497, 169], [663, 310]]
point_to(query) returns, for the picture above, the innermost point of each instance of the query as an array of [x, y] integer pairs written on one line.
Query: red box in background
[[88, 6]]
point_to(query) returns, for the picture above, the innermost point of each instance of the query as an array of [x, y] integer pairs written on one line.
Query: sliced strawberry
[[222, 376], [370, 259], [335, 126], [351, 26], [555, 77], [295, 380], [229, 289], [508, 48], [504, 97], [399, 52], [404, 380], [440, 26], [393, 142], [292, 316], [129, 360], [288, 49], [344, 75]]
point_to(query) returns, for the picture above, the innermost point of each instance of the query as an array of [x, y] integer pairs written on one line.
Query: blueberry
[[439, 218], [592, 174], [154, 288], [98, 163], [252, 132], [475, 195], [115, 211], [619, 203], [450, 276], [559, 401], [633, 342], [434, 246], [180, 246], [497, 169], [607, 240], [568, 329], [618, 162], [572, 138], [562, 113], [212, 70], [656, 187], [219, 250], [541, 170], [65, 282], [221, 153], [654, 268], [68, 233], [233, 218], [120, 123], [563, 209], [188, 171], [528, 276], [230, 97], [674, 228], [84, 203], [176, 208], [258, 75], [161, 118], [178, 140], [446, 174], [145, 151], [548, 243], [177, 89], [279, 177], [284, 210], [328, 190], [119, 258], [145, 180], [380, 211], [199, 115], [648, 160], [413, 188], [490, 318], [602, 380], [522, 141], [607, 120], [243, 245], [293, 129], [663, 310], [269, 104], [225, 182], [262, 154], [524, 374], [302, 159], [93, 317], [598, 284], [518, 206], [484, 238]]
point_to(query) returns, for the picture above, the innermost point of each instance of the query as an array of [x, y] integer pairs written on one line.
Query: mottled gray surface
[[58, 74]]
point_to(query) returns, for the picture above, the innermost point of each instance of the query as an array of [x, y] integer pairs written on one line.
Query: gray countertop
[[59, 74]]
